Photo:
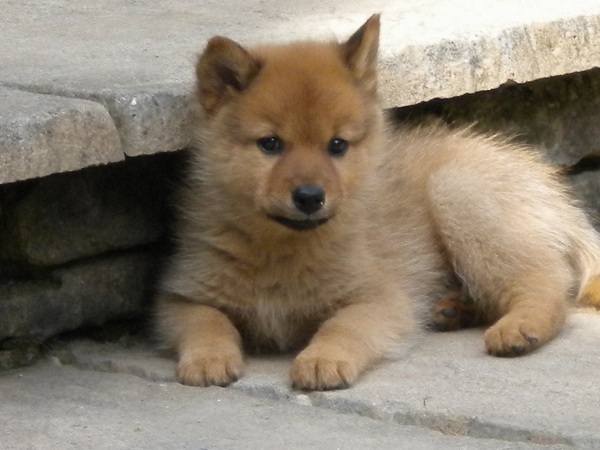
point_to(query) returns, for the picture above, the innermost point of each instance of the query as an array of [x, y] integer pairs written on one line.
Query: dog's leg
[[504, 231], [532, 311], [356, 337], [207, 343]]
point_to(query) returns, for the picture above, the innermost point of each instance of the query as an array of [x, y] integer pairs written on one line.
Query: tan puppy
[[306, 224]]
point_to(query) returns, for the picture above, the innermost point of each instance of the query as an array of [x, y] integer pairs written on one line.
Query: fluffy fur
[[409, 217]]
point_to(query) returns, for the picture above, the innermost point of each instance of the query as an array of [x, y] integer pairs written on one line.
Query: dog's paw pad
[[210, 370]]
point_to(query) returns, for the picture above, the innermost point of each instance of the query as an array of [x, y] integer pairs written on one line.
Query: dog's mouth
[[300, 224]]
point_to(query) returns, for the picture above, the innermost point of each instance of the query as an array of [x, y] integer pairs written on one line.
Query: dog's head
[[290, 130]]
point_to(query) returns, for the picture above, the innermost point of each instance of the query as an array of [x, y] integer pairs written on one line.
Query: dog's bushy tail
[[586, 246]]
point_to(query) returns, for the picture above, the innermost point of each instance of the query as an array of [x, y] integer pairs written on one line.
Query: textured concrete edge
[[49, 405], [157, 118], [45, 134], [451, 68], [270, 382], [147, 119]]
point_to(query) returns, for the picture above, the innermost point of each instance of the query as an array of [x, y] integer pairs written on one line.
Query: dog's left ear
[[360, 53]]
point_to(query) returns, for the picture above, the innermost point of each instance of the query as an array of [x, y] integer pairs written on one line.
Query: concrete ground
[[444, 393]]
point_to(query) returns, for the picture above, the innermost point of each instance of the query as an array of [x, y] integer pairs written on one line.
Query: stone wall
[[80, 249], [84, 248]]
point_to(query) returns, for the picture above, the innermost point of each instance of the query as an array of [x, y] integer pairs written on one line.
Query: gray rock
[[45, 134], [150, 119], [135, 60], [429, 49], [70, 216], [63, 299], [19, 357]]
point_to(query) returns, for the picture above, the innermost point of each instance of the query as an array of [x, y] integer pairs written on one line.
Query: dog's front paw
[[210, 369], [319, 372]]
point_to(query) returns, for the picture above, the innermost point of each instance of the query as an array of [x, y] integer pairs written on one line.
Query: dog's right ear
[[224, 69]]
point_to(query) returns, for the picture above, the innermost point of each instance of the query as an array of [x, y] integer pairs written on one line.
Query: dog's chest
[[272, 326], [278, 310]]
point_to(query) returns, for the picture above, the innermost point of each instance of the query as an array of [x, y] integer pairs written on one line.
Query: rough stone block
[[142, 72], [65, 217], [150, 120], [464, 47], [19, 357], [45, 134], [88, 293]]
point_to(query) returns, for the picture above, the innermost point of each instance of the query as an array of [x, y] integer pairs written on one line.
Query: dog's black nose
[[308, 198]]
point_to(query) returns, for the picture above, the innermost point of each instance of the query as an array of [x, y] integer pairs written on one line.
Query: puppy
[[307, 224]]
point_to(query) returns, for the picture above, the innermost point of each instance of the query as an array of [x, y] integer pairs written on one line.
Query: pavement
[[85, 83], [445, 393]]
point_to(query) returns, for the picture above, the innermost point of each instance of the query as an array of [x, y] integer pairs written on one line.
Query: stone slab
[[55, 407], [71, 216], [45, 134], [445, 383], [136, 58], [36, 306]]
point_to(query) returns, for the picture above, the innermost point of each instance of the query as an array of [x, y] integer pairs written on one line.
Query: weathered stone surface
[[49, 407], [19, 357], [64, 217], [142, 70], [150, 119], [484, 45], [45, 134], [88, 293], [445, 383]]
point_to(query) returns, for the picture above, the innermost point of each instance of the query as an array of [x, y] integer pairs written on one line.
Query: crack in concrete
[[451, 424]]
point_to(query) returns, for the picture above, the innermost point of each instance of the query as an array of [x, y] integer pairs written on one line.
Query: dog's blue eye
[[271, 145], [337, 147]]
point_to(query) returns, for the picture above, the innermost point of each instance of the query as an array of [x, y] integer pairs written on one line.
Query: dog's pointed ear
[[224, 69], [360, 53]]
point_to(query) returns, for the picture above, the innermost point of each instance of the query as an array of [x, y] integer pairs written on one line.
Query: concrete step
[[50, 407], [444, 393], [85, 62]]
